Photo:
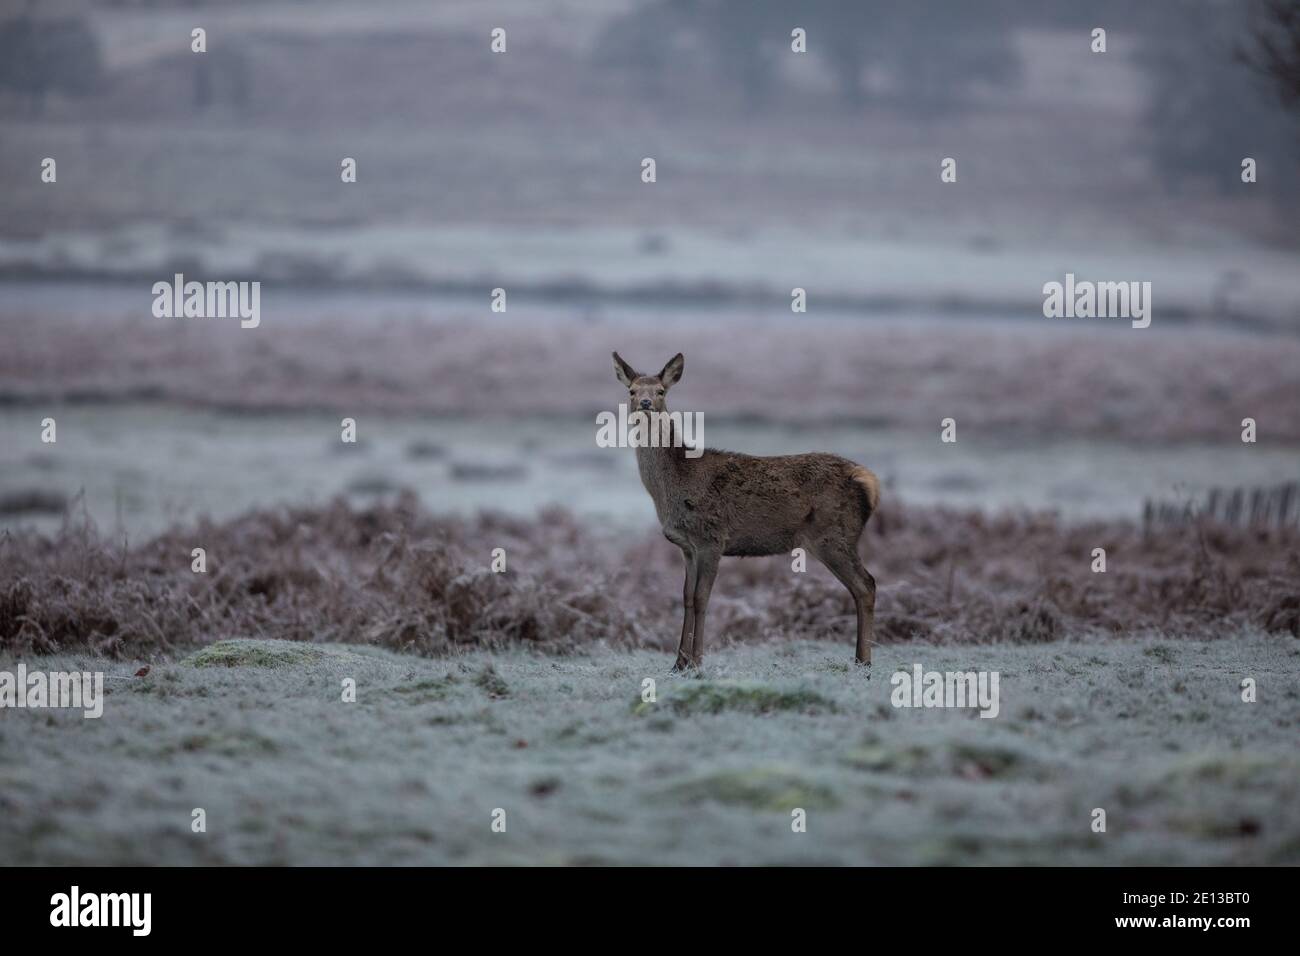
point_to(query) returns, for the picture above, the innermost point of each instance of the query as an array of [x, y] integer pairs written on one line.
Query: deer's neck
[[661, 473]]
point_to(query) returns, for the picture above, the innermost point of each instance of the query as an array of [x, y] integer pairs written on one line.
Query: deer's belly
[[753, 545], [690, 526]]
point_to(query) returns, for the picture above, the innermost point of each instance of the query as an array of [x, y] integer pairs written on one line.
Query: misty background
[[521, 171]]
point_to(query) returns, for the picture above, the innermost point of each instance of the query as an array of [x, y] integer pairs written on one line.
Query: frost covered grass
[[1154, 732], [396, 576]]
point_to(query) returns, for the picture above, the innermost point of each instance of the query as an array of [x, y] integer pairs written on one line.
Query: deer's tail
[[868, 489]]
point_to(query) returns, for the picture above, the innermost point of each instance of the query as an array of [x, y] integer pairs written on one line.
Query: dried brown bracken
[[400, 577]]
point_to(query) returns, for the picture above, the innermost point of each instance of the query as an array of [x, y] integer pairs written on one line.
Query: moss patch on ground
[[255, 653], [750, 697]]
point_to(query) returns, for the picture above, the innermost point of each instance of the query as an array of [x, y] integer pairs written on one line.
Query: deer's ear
[[672, 372], [624, 371]]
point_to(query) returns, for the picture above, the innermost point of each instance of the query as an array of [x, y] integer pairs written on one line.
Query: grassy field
[[522, 691], [257, 735], [1166, 385]]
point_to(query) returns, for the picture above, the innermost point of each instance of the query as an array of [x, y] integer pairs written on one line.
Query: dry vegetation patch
[[399, 577]]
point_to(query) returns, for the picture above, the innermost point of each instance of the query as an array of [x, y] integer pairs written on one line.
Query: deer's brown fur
[[725, 503]]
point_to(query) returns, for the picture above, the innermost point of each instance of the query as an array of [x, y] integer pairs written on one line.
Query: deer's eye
[[659, 391]]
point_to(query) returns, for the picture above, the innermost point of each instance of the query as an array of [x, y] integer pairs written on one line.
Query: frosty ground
[[256, 733]]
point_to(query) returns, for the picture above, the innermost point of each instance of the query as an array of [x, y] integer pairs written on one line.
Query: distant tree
[[746, 36], [933, 55], [1205, 111], [1273, 47], [222, 74], [929, 55], [39, 56], [847, 45]]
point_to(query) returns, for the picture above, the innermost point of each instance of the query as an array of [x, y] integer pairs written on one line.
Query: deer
[[715, 504]]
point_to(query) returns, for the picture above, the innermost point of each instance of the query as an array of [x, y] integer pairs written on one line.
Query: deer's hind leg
[[842, 560]]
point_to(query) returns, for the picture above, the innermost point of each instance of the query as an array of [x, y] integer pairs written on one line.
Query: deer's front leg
[[706, 569], [685, 645]]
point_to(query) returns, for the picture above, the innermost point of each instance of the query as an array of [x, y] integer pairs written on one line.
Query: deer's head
[[647, 392]]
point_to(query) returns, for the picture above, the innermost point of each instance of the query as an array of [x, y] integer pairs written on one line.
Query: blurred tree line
[[1205, 108], [51, 52], [1223, 76], [917, 48]]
